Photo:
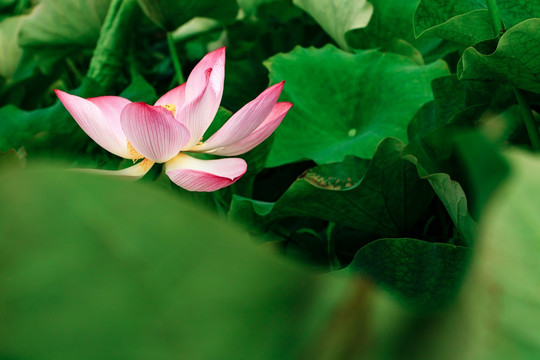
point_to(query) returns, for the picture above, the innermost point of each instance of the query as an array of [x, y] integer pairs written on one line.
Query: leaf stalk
[[175, 60], [496, 21], [528, 118]]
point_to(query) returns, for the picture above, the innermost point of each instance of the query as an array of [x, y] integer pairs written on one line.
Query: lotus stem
[[528, 118], [496, 21], [175, 60]]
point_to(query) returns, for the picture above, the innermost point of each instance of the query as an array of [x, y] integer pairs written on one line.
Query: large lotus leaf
[[468, 21], [170, 14], [516, 59], [353, 102], [386, 201], [419, 273], [337, 17], [98, 268], [57, 28]]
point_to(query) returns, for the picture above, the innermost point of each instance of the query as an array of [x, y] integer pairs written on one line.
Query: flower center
[[133, 152], [146, 164], [171, 108]]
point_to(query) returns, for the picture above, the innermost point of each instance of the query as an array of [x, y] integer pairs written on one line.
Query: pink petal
[[245, 121], [174, 97], [204, 89], [204, 175], [153, 131], [134, 172], [99, 118], [214, 63], [260, 134]]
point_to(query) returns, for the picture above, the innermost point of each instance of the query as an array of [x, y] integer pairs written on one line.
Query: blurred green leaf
[[55, 29], [86, 279], [243, 85], [505, 278], [516, 59], [6, 3], [337, 17], [420, 274], [18, 126], [248, 6], [140, 90], [345, 103], [9, 46], [170, 14], [385, 201]]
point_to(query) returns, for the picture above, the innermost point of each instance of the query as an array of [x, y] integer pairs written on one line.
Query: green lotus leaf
[[516, 59], [353, 102]]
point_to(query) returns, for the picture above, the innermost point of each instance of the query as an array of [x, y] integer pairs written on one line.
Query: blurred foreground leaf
[[96, 268], [507, 270], [93, 267]]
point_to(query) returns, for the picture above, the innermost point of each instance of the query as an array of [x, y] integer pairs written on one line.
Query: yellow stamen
[[171, 108], [146, 164], [133, 152]]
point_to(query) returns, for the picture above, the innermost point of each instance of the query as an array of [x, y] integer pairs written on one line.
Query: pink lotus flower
[[163, 133]]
